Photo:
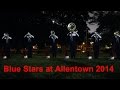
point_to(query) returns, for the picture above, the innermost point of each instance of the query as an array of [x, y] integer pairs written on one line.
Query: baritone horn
[[71, 27]]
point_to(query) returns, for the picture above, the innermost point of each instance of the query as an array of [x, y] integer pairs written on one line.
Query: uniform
[[116, 45], [96, 46], [72, 43], [53, 42], [6, 45], [28, 45]]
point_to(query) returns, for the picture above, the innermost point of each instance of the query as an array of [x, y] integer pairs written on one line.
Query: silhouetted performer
[[96, 46], [53, 38], [6, 45], [72, 42], [116, 44], [29, 37]]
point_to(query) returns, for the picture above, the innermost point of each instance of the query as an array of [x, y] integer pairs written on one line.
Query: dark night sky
[[17, 22]]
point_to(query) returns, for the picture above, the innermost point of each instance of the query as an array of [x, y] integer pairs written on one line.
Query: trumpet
[[72, 28]]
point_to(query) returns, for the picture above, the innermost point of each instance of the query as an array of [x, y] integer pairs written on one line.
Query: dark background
[[38, 21], [17, 22]]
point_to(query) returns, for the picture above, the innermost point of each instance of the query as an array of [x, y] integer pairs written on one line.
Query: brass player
[[6, 45], [73, 33], [53, 38], [29, 40]]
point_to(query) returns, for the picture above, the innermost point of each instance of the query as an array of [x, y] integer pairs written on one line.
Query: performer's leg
[[111, 52], [8, 52], [5, 50], [74, 52], [118, 52], [55, 54], [71, 52], [95, 52], [53, 51], [29, 52], [74, 55]]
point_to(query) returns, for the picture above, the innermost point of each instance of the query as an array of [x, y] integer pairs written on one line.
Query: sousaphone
[[71, 27]]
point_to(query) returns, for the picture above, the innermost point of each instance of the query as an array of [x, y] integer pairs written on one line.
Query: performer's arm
[[10, 37], [56, 36], [118, 35], [50, 36], [3, 37], [98, 35], [77, 33], [93, 35], [68, 34], [25, 36], [32, 36]]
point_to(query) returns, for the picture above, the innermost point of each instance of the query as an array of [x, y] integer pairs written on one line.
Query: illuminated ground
[[37, 60]]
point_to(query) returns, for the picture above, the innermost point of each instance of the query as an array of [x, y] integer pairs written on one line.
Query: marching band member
[[96, 39], [6, 45], [116, 44], [29, 37], [72, 38], [53, 38]]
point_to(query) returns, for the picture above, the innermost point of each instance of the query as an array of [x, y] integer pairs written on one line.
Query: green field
[[37, 60]]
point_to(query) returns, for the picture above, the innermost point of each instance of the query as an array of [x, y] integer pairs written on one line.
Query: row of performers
[[72, 42]]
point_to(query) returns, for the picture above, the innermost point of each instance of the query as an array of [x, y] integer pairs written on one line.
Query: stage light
[[53, 21], [83, 43], [112, 58], [35, 46], [83, 51], [90, 57], [25, 57], [5, 57], [58, 46], [67, 57], [106, 47], [48, 57], [91, 43]]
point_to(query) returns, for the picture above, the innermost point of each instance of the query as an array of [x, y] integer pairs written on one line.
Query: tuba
[[71, 27]]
